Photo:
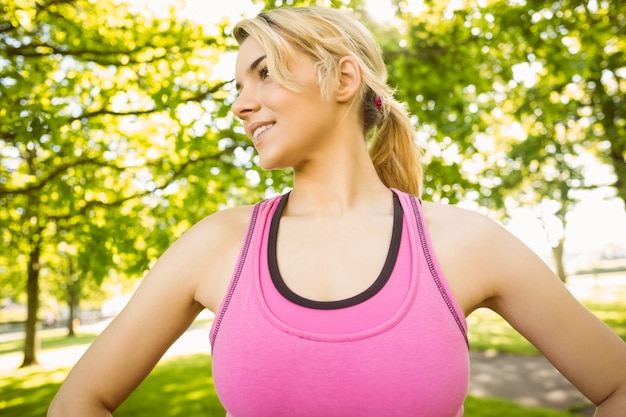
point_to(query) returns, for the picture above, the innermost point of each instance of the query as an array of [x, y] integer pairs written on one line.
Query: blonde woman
[[348, 295]]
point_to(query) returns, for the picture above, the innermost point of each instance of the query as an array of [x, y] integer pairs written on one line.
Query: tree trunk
[[72, 320], [31, 342], [73, 298], [557, 252]]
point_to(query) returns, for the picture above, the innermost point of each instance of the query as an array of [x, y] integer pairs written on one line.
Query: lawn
[[183, 386], [489, 331], [52, 340]]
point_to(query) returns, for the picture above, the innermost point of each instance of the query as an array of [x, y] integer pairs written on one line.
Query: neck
[[342, 180]]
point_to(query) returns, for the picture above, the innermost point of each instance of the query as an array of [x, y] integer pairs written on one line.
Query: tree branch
[[101, 112], [58, 170], [175, 175], [7, 26]]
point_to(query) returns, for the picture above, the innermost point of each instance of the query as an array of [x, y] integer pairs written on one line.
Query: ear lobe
[[349, 81]]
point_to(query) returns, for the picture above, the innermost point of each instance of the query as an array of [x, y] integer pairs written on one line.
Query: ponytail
[[394, 152]]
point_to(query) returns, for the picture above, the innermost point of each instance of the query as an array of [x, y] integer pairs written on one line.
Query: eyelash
[[263, 72]]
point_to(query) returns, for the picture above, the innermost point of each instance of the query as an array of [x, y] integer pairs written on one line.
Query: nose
[[245, 104]]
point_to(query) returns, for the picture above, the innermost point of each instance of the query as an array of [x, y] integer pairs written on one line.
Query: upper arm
[[489, 267], [161, 309]]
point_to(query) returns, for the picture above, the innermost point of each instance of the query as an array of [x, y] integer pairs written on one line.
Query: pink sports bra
[[397, 349]]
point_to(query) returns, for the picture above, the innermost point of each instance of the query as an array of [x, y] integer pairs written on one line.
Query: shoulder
[[440, 215], [206, 254], [464, 232], [221, 231], [478, 256], [213, 234], [487, 266], [215, 230], [229, 221], [462, 228]]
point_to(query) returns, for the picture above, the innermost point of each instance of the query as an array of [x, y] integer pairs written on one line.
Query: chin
[[271, 164], [273, 167]]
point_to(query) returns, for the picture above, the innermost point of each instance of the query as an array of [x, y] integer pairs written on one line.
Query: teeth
[[262, 129]]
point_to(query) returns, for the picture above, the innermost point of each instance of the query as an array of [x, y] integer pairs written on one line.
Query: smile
[[261, 129]]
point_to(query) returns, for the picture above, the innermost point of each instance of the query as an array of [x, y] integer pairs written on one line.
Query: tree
[[595, 74], [554, 104], [504, 95], [115, 136]]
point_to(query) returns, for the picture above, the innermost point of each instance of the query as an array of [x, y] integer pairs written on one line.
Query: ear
[[349, 81]]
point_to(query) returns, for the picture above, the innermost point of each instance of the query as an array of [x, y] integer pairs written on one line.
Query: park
[[117, 136]]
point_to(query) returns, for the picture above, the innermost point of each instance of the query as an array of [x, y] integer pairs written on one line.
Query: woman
[[349, 295]]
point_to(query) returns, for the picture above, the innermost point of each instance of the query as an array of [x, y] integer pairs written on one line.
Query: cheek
[[281, 100]]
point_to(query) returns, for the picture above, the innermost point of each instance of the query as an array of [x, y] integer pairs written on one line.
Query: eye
[[263, 71]]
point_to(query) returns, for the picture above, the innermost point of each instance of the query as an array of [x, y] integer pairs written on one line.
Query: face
[[286, 127]]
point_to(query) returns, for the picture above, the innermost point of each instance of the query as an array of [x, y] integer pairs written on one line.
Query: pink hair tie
[[378, 102]]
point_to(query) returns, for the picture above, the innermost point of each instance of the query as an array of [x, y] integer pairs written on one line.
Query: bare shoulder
[[211, 248], [475, 252], [449, 217], [457, 229], [212, 235], [222, 224]]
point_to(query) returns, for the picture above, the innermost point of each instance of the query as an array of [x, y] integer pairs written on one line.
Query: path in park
[[527, 380]]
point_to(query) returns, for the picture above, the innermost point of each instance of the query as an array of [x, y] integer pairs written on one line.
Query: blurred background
[[116, 134]]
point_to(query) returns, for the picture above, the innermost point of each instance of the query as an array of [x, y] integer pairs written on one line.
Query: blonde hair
[[327, 35]]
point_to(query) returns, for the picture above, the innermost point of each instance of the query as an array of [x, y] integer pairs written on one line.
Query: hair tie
[[378, 101]]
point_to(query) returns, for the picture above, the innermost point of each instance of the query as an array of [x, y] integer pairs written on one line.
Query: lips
[[257, 129], [261, 129]]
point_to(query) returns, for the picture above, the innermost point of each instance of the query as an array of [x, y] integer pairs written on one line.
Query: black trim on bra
[[377, 285]]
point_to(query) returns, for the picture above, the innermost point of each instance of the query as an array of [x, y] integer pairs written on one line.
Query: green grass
[[183, 386], [495, 407], [488, 331], [48, 341], [613, 314]]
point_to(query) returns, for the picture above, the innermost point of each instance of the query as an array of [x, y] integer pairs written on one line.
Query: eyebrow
[[251, 68]]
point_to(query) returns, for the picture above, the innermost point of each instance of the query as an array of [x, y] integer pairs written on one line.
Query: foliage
[[109, 118], [517, 101], [115, 138], [509, 94]]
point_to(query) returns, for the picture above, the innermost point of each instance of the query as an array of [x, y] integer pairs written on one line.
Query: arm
[[530, 297], [488, 267], [191, 274]]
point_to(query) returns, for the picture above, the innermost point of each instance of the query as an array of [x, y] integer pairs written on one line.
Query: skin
[[336, 190]]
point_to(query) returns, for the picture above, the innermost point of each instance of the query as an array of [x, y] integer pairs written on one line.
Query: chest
[[328, 259], [267, 372]]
